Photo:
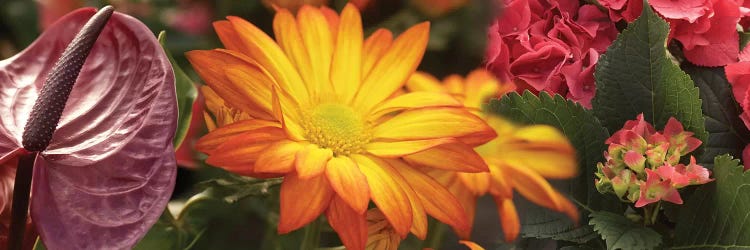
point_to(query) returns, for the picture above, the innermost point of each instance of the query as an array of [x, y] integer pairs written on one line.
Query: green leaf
[[727, 133], [621, 233], [717, 215], [636, 76], [744, 39], [39, 245], [587, 135], [186, 94], [165, 234]]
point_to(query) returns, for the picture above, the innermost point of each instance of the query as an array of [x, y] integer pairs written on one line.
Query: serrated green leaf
[[621, 233], [186, 94], [727, 133], [587, 135], [636, 76], [717, 215]]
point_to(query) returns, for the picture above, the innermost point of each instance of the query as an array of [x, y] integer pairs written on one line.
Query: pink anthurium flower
[[109, 168]]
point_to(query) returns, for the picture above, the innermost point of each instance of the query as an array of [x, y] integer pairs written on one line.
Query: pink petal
[[689, 10], [110, 169], [746, 158]]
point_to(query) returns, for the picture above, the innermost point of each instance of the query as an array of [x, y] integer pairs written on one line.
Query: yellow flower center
[[336, 127]]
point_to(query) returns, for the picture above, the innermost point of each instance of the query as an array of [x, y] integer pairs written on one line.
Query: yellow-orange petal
[[400, 148], [478, 183], [508, 218], [421, 81], [288, 36], [543, 149], [387, 194], [251, 83], [278, 158], [210, 66], [312, 160], [391, 71], [228, 37], [347, 58], [500, 183], [431, 123], [481, 85], [469, 202], [471, 245], [208, 143], [316, 35], [349, 183], [333, 19], [301, 201], [210, 123], [374, 48], [411, 100], [267, 53], [350, 225], [533, 187], [569, 209], [454, 156], [244, 149], [435, 198]]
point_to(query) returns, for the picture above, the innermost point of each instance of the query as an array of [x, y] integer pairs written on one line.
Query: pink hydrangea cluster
[[547, 45], [705, 28], [738, 75], [643, 165]]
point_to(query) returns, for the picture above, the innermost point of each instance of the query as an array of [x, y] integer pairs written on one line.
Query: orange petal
[[431, 123], [312, 160], [471, 245], [211, 65], [278, 158], [347, 58], [349, 224], [251, 83], [435, 198], [208, 143], [420, 99], [316, 35], [543, 149], [533, 187], [421, 81], [400, 148], [374, 48], [267, 53], [508, 218], [454, 156], [289, 38], [419, 222], [482, 85], [478, 183], [332, 17], [244, 149], [386, 192], [210, 123], [469, 202], [396, 65], [500, 181], [301, 201], [350, 184], [227, 35]]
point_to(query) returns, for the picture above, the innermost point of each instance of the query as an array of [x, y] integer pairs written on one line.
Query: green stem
[[20, 207], [311, 240], [650, 213], [434, 237], [655, 213]]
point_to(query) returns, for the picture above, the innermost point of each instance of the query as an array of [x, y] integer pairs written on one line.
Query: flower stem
[[311, 240], [434, 236], [20, 207]]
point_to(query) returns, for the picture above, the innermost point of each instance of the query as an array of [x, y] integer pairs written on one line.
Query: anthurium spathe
[[519, 159], [316, 106], [109, 169]]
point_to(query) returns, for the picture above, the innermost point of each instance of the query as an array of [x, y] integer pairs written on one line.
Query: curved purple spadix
[[109, 169]]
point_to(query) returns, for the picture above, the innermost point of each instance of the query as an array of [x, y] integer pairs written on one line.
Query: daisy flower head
[[519, 158], [317, 106]]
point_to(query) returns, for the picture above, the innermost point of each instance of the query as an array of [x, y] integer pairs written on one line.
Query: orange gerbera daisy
[[519, 158], [316, 106]]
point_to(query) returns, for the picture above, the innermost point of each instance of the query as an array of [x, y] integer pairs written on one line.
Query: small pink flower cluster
[[546, 45], [705, 28], [643, 165]]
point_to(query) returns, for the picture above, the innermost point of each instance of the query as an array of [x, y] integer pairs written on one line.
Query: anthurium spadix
[[107, 169]]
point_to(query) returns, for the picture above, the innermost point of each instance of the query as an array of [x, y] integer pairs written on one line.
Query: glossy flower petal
[[109, 169]]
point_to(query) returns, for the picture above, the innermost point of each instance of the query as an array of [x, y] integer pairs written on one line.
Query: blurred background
[[457, 46]]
